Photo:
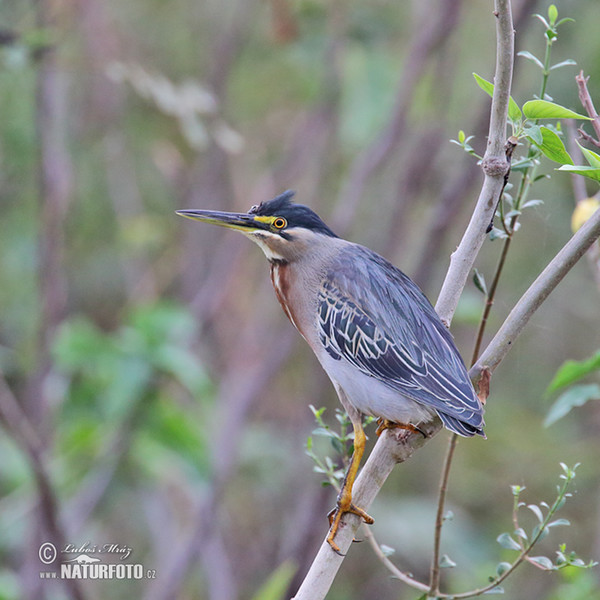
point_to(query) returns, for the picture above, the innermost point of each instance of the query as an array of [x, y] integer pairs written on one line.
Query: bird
[[374, 332]]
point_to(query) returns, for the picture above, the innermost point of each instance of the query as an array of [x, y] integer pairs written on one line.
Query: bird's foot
[[383, 424], [344, 505]]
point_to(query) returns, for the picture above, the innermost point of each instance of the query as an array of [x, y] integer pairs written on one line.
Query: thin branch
[[495, 166], [434, 589], [533, 298], [392, 568], [588, 104]]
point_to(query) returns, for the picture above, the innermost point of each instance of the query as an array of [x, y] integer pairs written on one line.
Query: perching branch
[[397, 446], [495, 166], [394, 446], [533, 298]]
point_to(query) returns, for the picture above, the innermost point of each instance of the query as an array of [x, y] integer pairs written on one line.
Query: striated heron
[[374, 332]]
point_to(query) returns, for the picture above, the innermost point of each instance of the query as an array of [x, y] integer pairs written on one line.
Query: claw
[[335, 515], [383, 424]]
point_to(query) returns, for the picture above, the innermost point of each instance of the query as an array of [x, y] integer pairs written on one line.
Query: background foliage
[[169, 395]]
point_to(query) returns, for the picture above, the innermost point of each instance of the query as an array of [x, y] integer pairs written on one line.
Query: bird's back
[[374, 317]]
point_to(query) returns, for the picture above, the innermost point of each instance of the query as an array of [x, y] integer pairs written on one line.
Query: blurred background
[[154, 395]]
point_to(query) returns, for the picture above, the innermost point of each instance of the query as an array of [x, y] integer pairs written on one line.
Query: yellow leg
[[344, 500]]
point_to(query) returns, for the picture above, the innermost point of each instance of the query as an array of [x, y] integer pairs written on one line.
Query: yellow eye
[[279, 223]]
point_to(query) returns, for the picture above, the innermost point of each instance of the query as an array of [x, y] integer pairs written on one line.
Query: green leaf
[[276, 585], [573, 370], [578, 395], [521, 533], [446, 562], [592, 158], [552, 14], [531, 57], [546, 24], [559, 522], [461, 136], [497, 234], [506, 541], [589, 172], [534, 134], [542, 561], [514, 112], [563, 63], [542, 109], [502, 567], [495, 590], [532, 202], [535, 509], [552, 147], [479, 281]]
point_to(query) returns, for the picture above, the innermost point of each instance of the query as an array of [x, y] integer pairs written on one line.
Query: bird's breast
[[281, 277]]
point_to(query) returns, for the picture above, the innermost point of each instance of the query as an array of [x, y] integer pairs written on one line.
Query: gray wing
[[376, 318]]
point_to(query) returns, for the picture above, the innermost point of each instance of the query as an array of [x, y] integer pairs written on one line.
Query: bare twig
[[434, 580], [588, 104], [495, 166], [392, 568], [539, 290]]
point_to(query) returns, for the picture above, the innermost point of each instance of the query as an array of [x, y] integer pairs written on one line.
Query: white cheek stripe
[[258, 238]]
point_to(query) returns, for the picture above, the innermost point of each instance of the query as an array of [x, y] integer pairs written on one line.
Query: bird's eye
[[279, 223]]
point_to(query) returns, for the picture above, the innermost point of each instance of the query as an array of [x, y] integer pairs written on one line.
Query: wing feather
[[375, 317]]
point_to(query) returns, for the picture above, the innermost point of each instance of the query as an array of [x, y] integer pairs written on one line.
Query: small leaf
[[502, 567], [497, 234], [564, 63], [533, 202], [517, 489], [542, 109], [534, 133], [578, 395], [552, 147], [495, 590], [506, 541], [522, 165], [592, 158], [565, 20], [387, 550], [558, 523], [479, 281], [573, 370], [552, 14], [531, 57], [461, 136], [446, 562], [535, 509], [520, 532], [589, 172], [542, 561], [546, 24], [514, 112]]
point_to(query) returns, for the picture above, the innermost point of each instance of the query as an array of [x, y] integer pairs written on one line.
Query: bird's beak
[[240, 221]]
